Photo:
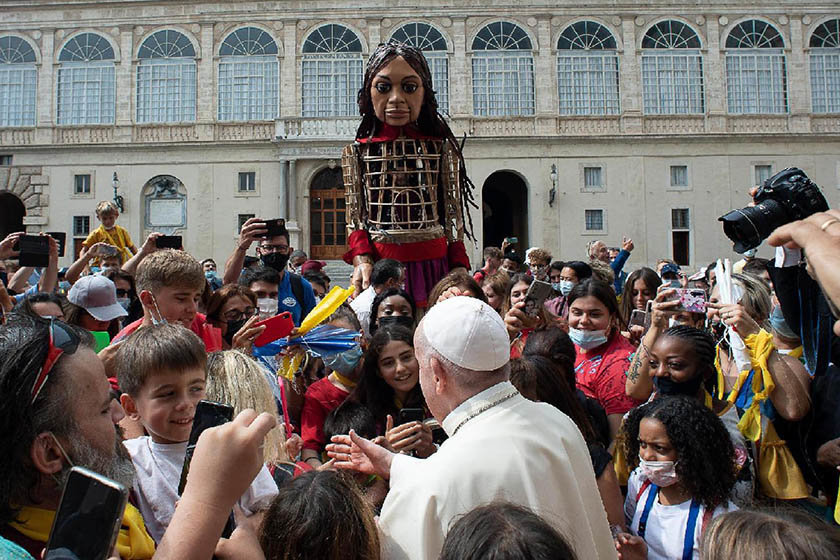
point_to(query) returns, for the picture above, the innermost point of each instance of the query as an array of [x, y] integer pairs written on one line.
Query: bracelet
[[309, 458]]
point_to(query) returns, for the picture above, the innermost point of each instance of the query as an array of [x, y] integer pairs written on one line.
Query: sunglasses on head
[[62, 341]]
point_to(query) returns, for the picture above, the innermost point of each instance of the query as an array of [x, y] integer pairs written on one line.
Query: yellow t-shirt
[[118, 237]]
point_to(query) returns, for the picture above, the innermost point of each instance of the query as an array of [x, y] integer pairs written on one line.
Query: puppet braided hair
[[705, 455], [429, 122]]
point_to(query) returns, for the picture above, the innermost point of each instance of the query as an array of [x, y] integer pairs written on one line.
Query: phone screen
[[411, 415], [207, 415], [88, 518], [34, 250], [60, 238], [275, 227], [169, 242], [538, 292]]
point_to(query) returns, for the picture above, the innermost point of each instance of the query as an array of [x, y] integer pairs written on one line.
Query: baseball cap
[[310, 266], [670, 267], [467, 332], [98, 296]]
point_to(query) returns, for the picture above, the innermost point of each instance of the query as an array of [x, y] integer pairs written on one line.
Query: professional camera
[[787, 196]]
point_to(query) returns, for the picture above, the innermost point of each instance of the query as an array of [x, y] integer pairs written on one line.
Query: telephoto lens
[[787, 196]]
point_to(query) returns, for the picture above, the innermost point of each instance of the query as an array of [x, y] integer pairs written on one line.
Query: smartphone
[[277, 226], [34, 250], [169, 242], [89, 516], [207, 415], [638, 318], [692, 300], [511, 240], [407, 415], [108, 251], [275, 327], [60, 238], [538, 292]]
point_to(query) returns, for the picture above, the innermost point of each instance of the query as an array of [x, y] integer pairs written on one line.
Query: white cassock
[[518, 451]]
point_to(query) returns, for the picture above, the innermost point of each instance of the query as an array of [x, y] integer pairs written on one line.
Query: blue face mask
[[587, 340], [555, 286], [210, 274], [345, 362], [750, 253], [565, 287]]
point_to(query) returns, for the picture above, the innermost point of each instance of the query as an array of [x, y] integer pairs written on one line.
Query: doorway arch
[[12, 211], [327, 215], [504, 198]]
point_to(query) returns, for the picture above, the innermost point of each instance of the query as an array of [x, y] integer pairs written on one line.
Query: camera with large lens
[[787, 196]]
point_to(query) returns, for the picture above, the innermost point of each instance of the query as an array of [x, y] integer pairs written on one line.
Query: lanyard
[[688, 540]]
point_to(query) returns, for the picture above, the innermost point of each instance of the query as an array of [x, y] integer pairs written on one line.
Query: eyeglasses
[[62, 341], [234, 315], [274, 248]]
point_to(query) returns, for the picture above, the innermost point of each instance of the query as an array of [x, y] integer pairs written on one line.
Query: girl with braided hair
[[682, 478], [405, 179]]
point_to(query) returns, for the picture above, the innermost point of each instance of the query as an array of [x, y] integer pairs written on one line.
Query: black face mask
[[665, 386], [233, 328], [4, 277], [401, 320], [277, 261]]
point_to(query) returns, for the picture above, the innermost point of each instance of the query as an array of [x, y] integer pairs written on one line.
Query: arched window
[[587, 70], [18, 82], [166, 78], [248, 76], [332, 72], [431, 42], [672, 70], [502, 71], [755, 69], [86, 88], [825, 67]]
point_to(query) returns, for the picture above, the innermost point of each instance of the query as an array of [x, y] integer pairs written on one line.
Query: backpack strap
[[297, 288], [642, 489]]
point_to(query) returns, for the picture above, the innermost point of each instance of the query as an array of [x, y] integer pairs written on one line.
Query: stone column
[[374, 32], [798, 81], [283, 190], [206, 79], [292, 190], [460, 75], [289, 93], [124, 81], [714, 77], [47, 88], [545, 80], [630, 78]]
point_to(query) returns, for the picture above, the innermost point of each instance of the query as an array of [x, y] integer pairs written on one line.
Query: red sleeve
[[312, 419], [359, 244], [456, 254], [610, 386]]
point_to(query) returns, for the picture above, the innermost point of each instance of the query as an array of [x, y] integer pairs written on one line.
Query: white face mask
[[587, 340], [661, 473], [267, 307]]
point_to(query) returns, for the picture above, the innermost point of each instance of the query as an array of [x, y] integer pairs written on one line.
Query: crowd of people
[[610, 421], [537, 407]]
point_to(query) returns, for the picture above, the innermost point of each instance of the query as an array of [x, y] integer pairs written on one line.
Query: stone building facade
[[588, 121]]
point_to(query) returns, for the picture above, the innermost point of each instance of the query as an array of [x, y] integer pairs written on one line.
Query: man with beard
[[294, 294], [57, 412]]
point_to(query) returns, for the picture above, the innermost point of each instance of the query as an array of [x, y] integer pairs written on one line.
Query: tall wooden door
[[327, 216]]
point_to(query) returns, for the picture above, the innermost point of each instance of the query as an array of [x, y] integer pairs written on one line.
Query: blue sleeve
[[308, 299], [618, 264]]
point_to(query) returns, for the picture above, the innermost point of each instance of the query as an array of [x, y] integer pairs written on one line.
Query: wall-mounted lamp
[[552, 192], [118, 199]]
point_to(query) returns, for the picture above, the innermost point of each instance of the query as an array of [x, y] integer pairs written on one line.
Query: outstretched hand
[[354, 452]]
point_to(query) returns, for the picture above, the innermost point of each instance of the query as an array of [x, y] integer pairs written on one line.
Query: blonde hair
[[539, 254], [169, 267], [745, 534], [498, 282], [602, 271], [234, 378], [106, 207], [756, 299]]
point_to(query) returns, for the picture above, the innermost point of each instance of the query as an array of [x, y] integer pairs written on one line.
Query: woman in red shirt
[[603, 355]]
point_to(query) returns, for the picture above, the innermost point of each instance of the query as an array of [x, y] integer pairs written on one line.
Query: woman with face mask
[[564, 277], [394, 306], [391, 381], [603, 355], [233, 310], [682, 456]]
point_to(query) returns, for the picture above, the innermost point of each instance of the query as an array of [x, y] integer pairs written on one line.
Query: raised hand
[[354, 452]]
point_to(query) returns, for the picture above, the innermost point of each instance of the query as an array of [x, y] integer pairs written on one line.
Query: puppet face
[[397, 93]]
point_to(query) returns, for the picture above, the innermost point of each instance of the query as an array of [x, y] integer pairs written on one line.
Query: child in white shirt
[[161, 370]]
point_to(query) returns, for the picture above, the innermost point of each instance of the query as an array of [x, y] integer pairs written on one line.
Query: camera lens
[[747, 227]]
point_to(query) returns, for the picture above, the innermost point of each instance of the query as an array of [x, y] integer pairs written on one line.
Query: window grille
[[18, 82]]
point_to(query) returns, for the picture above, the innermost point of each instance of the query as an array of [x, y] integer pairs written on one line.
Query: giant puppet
[[405, 181]]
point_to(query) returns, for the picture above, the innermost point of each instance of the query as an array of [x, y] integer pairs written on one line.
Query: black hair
[[599, 290], [260, 274], [384, 270], [372, 391], [652, 282], [557, 265], [513, 256], [704, 347], [541, 380], [345, 313], [553, 343], [429, 122], [708, 273], [350, 415], [25, 305], [320, 514], [756, 266], [24, 344], [506, 531], [377, 301], [582, 270], [316, 277], [705, 455]]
